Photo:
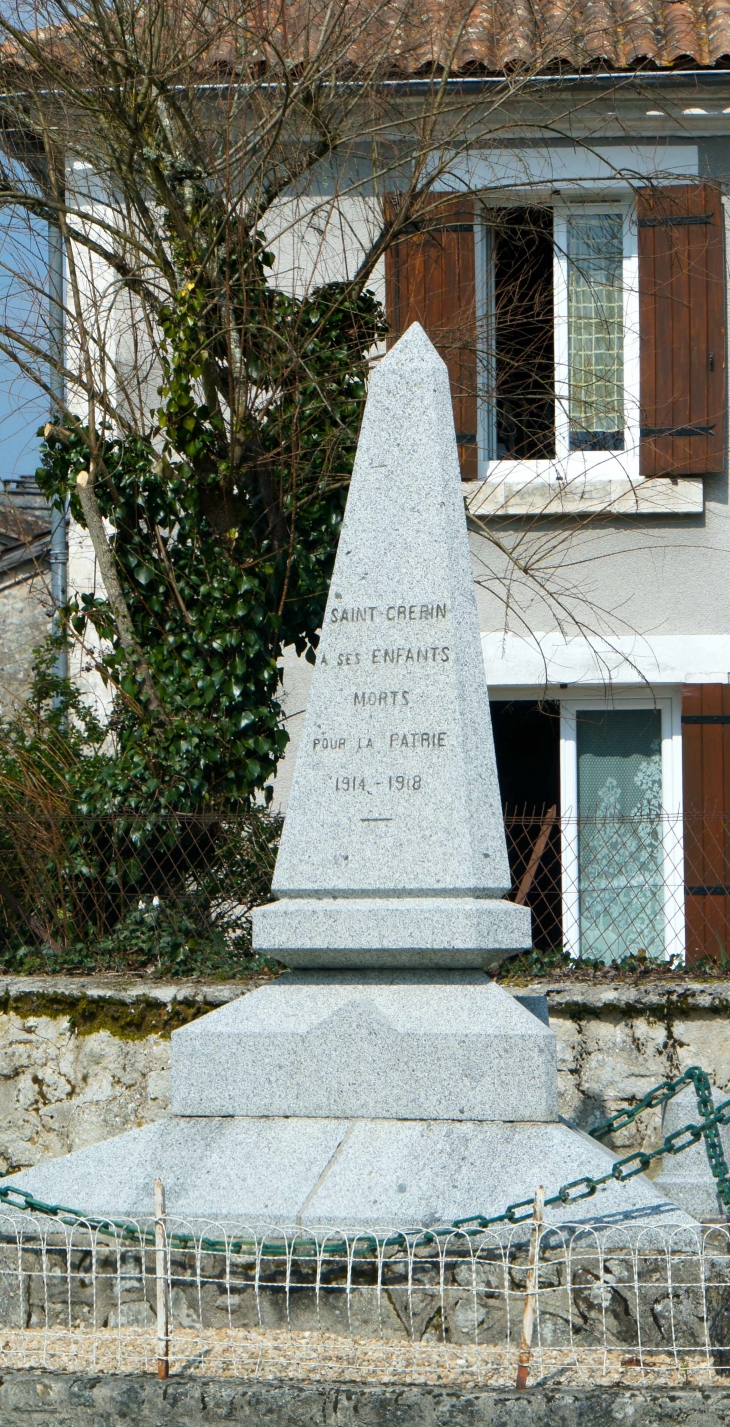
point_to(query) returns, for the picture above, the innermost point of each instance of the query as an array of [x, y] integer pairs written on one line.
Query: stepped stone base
[[380, 932], [343, 1174], [396, 1045]]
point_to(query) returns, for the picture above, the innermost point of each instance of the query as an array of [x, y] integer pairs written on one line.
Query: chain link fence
[[131, 892], [607, 887], [174, 892]]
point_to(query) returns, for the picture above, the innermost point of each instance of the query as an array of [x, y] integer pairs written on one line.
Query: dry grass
[[325, 1357]]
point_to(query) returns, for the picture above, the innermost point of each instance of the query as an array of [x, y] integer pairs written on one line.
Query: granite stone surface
[[347, 1174], [687, 1179], [402, 1045], [395, 791], [536, 1005], [371, 932]]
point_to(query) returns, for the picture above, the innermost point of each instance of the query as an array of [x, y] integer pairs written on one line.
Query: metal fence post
[[163, 1341], [528, 1313]]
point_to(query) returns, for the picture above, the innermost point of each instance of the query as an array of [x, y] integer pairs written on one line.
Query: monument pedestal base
[[327, 1174], [688, 1179], [384, 932], [355, 1101], [406, 1045]]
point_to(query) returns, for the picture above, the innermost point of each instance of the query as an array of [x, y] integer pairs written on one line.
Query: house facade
[[574, 277], [570, 264]]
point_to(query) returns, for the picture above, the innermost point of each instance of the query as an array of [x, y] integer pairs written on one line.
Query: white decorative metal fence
[[621, 1304]]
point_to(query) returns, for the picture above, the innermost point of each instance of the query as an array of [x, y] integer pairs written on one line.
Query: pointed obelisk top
[[395, 789]]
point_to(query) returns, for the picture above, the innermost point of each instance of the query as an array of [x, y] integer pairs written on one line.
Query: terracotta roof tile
[[718, 27], [502, 34], [409, 37], [412, 36]]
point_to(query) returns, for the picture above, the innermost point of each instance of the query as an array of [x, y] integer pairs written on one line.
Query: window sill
[[587, 495]]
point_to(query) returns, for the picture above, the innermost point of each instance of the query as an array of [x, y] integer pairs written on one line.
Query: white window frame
[[569, 470], [670, 707]]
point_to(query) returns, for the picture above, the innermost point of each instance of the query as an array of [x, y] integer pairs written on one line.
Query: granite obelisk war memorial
[[385, 1081]]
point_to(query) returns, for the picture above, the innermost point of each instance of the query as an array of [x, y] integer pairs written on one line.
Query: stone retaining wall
[[34, 1399], [85, 1058]]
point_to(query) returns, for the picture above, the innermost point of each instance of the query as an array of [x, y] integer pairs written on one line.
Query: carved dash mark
[[376, 820]]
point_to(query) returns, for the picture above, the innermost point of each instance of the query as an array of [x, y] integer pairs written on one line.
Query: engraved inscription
[[425, 657], [374, 781], [415, 611], [397, 783], [383, 698], [430, 655], [364, 615], [394, 613], [418, 740]]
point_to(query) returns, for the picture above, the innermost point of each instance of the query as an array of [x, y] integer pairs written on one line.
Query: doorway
[[527, 749]]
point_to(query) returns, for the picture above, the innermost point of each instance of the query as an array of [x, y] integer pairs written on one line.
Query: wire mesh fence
[[175, 891], [606, 887], [129, 891], [647, 1302]]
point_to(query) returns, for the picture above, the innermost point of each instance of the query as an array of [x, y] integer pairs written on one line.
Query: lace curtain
[[620, 852]]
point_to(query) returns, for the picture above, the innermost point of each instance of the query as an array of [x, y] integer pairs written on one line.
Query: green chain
[[710, 1126], [639, 1161], [621, 1170]]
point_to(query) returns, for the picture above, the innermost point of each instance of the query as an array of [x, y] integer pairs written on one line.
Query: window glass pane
[[620, 865], [595, 332]]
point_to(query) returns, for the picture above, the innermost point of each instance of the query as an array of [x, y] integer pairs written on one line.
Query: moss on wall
[[129, 1019]]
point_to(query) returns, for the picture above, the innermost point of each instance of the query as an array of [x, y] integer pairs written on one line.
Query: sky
[[23, 408]]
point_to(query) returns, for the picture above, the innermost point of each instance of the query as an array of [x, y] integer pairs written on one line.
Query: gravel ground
[[323, 1357]]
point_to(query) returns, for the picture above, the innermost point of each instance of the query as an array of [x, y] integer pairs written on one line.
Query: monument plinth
[[386, 1082], [393, 852]]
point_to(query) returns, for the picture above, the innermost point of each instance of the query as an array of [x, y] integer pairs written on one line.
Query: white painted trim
[[585, 479], [673, 852], [569, 851], [486, 363], [528, 492], [561, 466], [541, 661], [583, 167]]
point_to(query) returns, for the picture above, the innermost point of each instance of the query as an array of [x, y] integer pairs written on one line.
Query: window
[[595, 332], [585, 343], [623, 873], [557, 296], [520, 350]]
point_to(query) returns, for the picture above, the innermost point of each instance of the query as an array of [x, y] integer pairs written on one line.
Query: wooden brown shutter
[[682, 330], [429, 278], [706, 778]]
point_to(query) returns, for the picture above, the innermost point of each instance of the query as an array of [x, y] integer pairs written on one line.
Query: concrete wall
[[651, 575], [82, 1059]]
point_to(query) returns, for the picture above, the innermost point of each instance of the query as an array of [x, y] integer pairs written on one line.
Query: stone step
[[378, 932], [402, 1045], [341, 1174]]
